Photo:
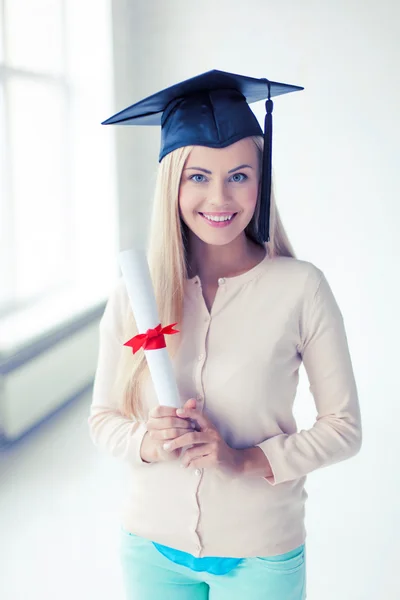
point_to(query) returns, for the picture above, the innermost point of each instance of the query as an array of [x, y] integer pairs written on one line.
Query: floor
[[58, 517]]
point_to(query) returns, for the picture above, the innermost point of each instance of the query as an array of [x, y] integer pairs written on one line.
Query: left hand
[[209, 448]]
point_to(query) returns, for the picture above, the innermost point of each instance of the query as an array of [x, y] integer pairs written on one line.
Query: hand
[[209, 448], [164, 425]]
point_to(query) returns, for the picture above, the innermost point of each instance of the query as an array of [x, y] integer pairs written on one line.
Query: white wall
[[337, 180]]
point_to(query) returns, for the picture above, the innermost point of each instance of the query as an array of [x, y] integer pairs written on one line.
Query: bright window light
[[34, 35], [40, 205], [58, 227]]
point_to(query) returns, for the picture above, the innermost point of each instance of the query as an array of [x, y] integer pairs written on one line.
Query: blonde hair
[[168, 263]]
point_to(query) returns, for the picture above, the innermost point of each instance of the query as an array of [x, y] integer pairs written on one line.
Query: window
[[58, 213]]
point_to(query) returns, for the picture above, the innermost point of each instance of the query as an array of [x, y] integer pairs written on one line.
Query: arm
[[109, 429], [337, 433], [252, 462]]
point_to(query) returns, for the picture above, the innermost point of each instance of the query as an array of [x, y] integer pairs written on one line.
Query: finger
[[162, 411], [195, 415], [195, 425], [202, 462], [187, 439], [190, 404], [166, 434], [169, 423], [197, 452]]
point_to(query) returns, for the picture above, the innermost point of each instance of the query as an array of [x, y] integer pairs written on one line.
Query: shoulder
[[298, 274], [117, 295], [116, 306], [310, 287]]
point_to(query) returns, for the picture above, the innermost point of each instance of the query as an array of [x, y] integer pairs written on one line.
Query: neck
[[212, 262]]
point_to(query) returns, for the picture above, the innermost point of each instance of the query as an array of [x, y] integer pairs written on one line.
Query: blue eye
[[242, 177], [197, 180], [236, 178]]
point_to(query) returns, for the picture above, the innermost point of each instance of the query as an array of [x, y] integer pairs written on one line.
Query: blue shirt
[[211, 564]]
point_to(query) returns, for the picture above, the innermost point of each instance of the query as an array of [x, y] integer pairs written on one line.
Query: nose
[[219, 197]]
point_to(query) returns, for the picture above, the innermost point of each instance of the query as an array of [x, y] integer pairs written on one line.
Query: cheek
[[188, 200], [184, 203], [248, 197]]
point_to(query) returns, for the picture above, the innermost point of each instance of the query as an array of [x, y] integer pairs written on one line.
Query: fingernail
[[180, 411], [167, 446]]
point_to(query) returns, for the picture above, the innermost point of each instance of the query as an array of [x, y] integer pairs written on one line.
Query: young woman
[[216, 501]]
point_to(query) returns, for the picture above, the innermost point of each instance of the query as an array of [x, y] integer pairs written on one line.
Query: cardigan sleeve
[[108, 428], [337, 433]]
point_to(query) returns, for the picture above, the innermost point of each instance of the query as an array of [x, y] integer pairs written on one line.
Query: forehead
[[242, 152]]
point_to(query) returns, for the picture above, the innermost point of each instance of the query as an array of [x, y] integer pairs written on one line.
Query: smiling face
[[218, 191]]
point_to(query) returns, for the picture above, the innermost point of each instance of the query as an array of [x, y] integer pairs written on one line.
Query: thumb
[[191, 403]]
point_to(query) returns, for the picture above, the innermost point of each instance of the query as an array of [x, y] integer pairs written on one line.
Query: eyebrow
[[210, 172]]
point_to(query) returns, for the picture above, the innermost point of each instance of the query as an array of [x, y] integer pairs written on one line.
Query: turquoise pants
[[148, 575]]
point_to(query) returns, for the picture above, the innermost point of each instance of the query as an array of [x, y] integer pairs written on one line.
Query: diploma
[[136, 274]]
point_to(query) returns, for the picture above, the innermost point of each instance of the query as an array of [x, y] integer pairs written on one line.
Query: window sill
[[28, 332]]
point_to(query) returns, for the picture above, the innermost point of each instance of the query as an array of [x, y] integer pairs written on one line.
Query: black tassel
[[265, 200]]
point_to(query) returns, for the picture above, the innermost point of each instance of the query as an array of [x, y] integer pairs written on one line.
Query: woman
[[216, 503]]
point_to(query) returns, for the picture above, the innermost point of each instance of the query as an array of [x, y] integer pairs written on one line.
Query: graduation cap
[[212, 109]]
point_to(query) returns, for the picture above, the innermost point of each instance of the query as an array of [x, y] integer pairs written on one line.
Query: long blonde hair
[[167, 255]]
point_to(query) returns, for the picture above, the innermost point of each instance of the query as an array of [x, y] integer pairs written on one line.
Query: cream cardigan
[[242, 363]]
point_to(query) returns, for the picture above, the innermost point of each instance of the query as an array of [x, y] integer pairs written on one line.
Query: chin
[[215, 242], [218, 238]]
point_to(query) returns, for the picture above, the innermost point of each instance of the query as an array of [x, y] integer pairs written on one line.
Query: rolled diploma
[[136, 274]]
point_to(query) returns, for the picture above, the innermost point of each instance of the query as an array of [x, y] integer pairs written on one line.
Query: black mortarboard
[[212, 109]]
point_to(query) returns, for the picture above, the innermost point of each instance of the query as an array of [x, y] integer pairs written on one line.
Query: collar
[[236, 280]]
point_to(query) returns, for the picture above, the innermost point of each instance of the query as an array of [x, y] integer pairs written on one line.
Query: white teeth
[[218, 218]]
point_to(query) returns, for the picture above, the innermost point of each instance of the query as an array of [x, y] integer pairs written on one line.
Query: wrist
[[148, 451], [254, 463]]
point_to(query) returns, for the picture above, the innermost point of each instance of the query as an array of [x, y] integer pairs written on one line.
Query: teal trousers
[[148, 575]]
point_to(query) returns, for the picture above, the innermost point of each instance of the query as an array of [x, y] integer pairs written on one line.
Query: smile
[[223, 220]]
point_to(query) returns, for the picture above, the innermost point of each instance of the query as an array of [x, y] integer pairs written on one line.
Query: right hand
[[163, 425]]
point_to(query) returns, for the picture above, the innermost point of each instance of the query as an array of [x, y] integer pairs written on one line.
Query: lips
[[218, 224], [222, 214], [218, 214]]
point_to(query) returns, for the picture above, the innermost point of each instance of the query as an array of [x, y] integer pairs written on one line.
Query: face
[[218, 191]]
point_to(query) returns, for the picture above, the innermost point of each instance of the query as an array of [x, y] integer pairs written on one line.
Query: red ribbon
[[153, 339]]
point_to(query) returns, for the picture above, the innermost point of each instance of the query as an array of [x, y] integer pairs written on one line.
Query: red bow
[[153, 339]]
